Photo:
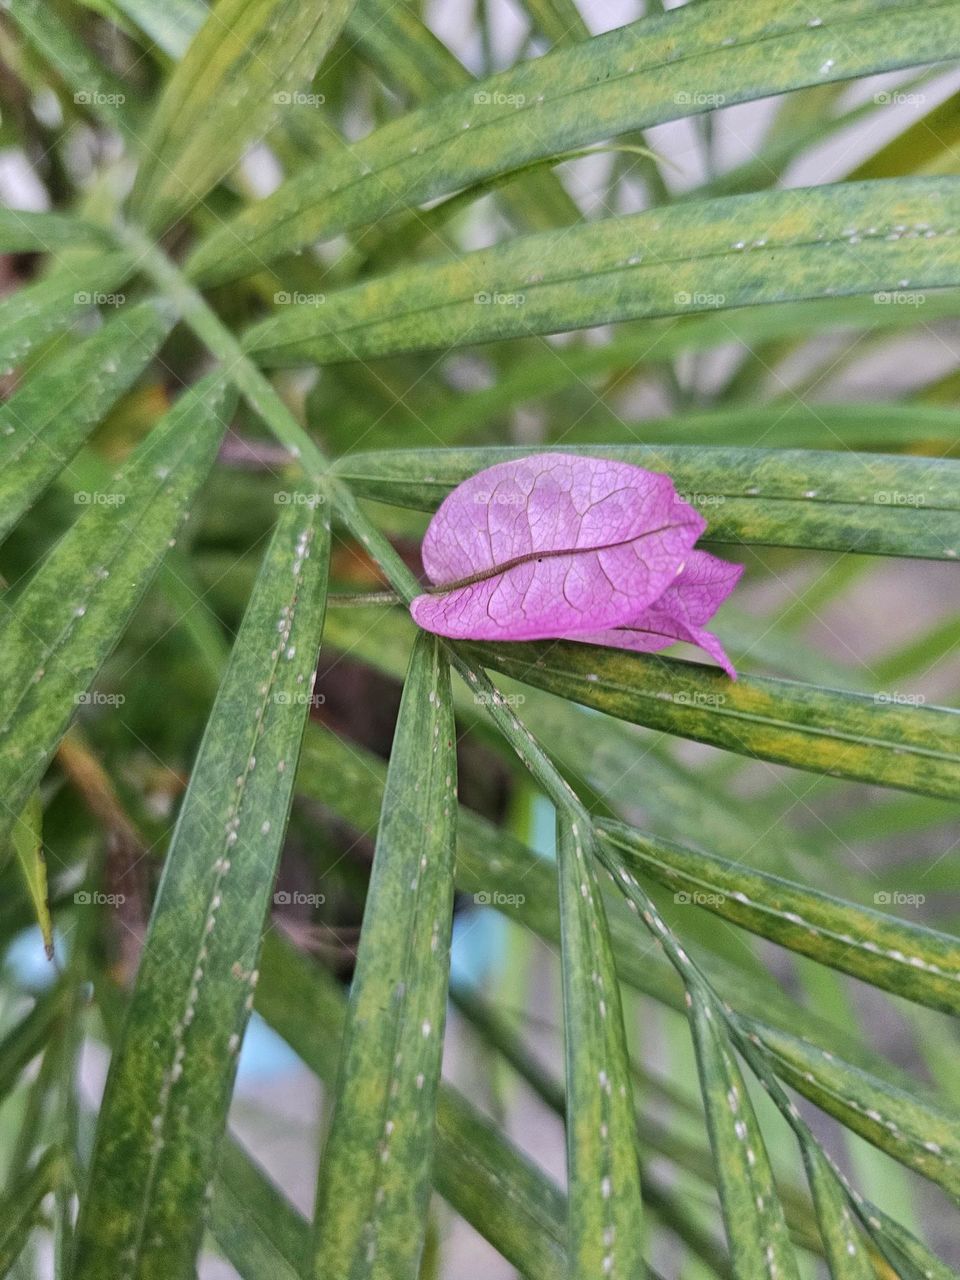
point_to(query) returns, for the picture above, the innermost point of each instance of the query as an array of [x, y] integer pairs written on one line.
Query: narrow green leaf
[[94, 89], [661, 68], [375, 1172], [485, 1179], [606, 1219], [925, 146], [866, 502], [56, 633], [492, 862], [38, 311], [844, 1245], [505, 1197], [245, 63], [171, 1077], [24, 231], [911, 1259], [756, 1229], [740, 251], [255, 1225], [635, 347], [27, 839], [46, 421], [22, 1207], [28, 1037], [911, 961], [919, 1134], [170, 24], [848, 735]]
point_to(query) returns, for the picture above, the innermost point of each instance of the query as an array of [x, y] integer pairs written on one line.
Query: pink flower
[[556, 546]]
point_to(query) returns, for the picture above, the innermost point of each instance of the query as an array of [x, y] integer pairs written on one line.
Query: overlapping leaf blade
[[606, 1223], [919, 1134], [170, 1081], [766, 247], [43, 425], [844, 1245], [756, 1229], [38, 311], [57, 632], [24, 231], [375, 1169], [865, 502], [244, 62], [658, 69], [911, 961], [256, 1226], [849, 735], [27, 840], [486, 1180]]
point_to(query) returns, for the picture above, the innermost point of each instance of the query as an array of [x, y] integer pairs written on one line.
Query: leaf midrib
[[296, 210], [597, 274]]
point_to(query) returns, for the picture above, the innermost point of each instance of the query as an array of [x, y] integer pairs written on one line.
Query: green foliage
[[165, 755]]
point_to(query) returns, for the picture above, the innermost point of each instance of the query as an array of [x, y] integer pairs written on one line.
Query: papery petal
[[679, 614], [563, 544]]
